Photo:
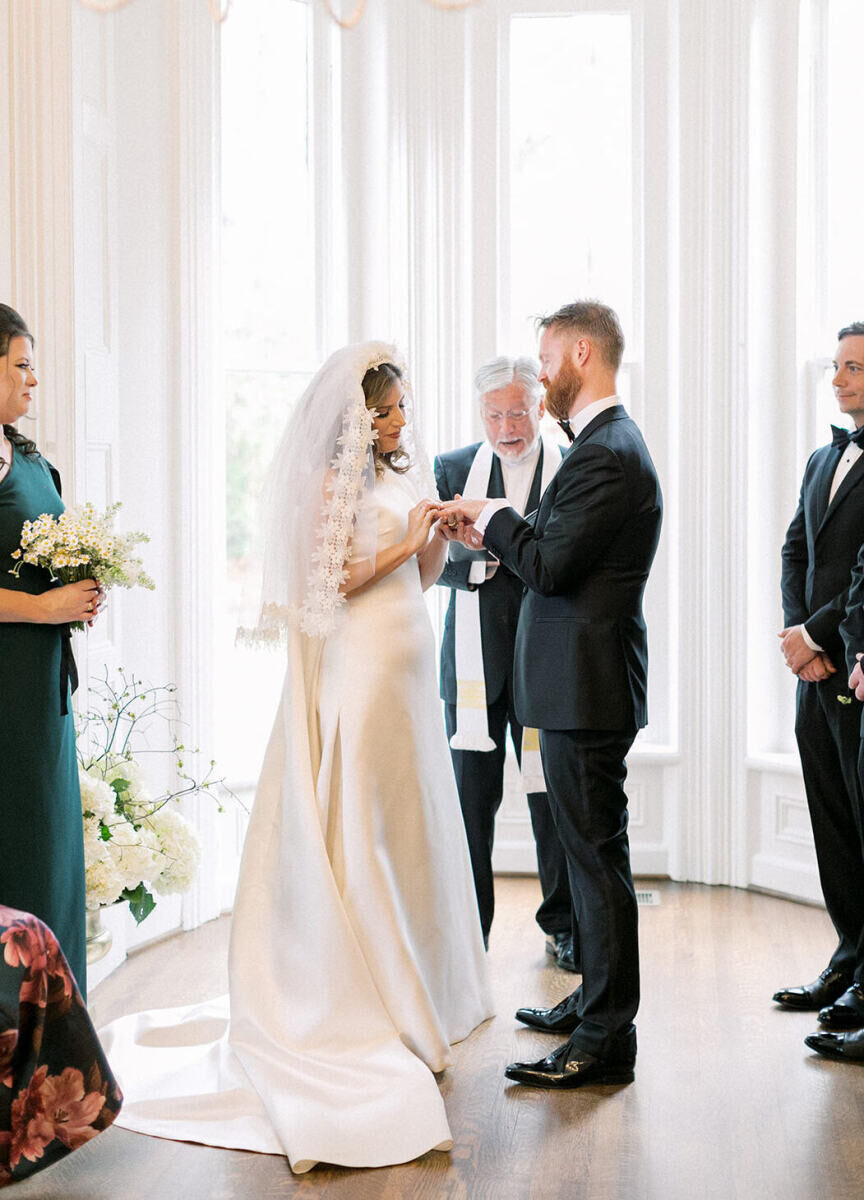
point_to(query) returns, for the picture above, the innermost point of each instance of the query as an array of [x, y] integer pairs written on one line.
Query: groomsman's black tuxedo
[[581, 670], [820, 551], [479, 773]]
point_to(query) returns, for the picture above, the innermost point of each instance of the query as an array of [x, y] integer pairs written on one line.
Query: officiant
[[516, 462]]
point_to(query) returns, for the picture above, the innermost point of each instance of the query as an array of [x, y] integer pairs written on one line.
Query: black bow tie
[[565, 425], [840, 438]]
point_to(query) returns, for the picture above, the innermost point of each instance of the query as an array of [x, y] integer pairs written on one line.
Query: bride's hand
[[421, 518]]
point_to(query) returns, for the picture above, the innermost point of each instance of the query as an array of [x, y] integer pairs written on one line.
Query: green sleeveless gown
[[41, 834]]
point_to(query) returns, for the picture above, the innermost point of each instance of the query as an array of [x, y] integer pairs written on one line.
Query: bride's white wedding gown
[[356, 952]]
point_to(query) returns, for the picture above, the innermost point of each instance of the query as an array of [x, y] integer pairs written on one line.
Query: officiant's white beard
[[513, 460]]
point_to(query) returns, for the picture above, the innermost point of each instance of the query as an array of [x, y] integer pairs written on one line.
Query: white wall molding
[[776, 843], [200, 445], [40, 200], [7, 246], [712, 154]]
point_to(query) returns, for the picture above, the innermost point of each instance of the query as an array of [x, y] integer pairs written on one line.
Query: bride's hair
[[376, 384]]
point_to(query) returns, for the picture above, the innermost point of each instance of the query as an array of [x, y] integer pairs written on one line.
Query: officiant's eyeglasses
[[494, 418]]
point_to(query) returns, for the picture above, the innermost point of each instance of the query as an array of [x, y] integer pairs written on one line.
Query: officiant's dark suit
[[480, 774], [819, 553], [580, 677]]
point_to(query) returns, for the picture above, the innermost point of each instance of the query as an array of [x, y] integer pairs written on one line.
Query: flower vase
[[99, 938]]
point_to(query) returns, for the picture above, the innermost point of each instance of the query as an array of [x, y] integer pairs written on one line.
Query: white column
[[6, 244], [200, 447], [39, 197], [777, 846], [712, 158]]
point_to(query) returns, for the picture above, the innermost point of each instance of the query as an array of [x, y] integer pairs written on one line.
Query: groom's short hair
[[593, 320], [856, 329], [502, 371]]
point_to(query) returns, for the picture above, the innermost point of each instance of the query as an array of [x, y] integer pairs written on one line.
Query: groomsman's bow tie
[[571, 436], [840, 438]]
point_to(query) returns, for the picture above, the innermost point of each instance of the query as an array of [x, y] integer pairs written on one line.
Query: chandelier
[[219, 9]]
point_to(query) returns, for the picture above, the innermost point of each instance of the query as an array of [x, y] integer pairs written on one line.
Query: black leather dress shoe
[[570, 1067], [561, 1018], [838, 1045], [847, 1011], [813, 996], [560, 947]]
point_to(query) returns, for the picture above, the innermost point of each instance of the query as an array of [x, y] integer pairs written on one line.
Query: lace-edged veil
[[318, 499]]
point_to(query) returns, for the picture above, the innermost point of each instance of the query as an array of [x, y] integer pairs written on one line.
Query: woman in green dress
[[41, 838]]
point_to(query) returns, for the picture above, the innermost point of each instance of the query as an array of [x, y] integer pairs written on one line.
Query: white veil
[[318, 501]]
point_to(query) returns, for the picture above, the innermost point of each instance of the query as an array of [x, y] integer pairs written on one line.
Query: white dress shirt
[[580, 421]]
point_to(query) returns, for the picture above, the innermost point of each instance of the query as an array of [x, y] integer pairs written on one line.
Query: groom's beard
[[563, 391]]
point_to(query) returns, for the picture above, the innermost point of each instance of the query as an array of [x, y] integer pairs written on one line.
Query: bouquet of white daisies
[[83, 544]]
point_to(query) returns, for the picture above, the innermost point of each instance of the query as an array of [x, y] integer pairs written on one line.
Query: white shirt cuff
[[807, 638], [488, 513]]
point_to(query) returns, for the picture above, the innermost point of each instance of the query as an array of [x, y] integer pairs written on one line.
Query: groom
[[580, 672]]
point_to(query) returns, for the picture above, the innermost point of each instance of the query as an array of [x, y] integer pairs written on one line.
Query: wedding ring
[[451, 522]]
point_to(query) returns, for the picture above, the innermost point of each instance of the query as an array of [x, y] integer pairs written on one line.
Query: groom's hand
[[462, 511], [457, 518]]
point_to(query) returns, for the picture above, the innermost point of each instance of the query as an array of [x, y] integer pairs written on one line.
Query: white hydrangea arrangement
[[82, 544], [135, 843]]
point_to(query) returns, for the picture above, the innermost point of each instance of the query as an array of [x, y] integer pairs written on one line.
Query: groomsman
[[581, 673], [819, 553], [515, 462], [851, 1045]]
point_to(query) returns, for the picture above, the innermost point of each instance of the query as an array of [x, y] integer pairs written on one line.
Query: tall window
[[572, 220], [844, 166], [833, 177], [268, 310], [570, 228]]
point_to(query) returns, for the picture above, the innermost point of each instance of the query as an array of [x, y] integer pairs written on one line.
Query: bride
[[356, 953]]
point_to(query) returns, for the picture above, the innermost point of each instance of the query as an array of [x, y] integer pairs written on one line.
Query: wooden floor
[[728, 1104]]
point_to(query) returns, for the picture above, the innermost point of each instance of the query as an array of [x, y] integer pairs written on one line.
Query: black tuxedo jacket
[[500, 597], [820, 550], [581, 647]]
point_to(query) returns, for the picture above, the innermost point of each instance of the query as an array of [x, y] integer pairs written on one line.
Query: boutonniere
[[844, 699]]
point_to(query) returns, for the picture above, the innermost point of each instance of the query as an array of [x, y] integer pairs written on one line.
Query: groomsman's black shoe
[[561, 1018], [838, 1045], [847, 1012], [813, 996], [571, 1067], [560, 947]]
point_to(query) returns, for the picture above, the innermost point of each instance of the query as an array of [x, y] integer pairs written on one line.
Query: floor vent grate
[[647, 899]]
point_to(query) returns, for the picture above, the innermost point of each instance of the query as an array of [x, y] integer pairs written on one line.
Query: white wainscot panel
[[514, 851], [784, 859], [649, 836]]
